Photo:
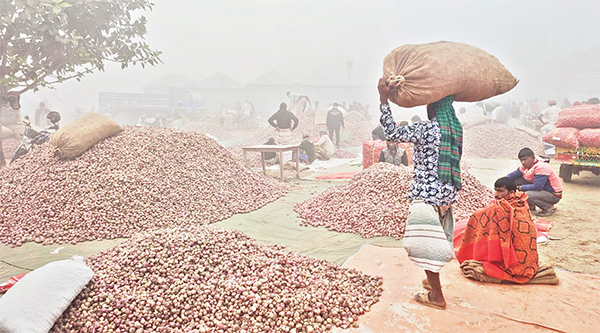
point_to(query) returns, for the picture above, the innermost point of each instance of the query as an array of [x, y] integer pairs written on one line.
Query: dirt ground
[[576, 224], [574, 243]]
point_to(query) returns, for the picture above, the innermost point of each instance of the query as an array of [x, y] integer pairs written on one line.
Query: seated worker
[[270, 158], [539, 181], [499, 243], [324, 147], [307, 150], [393, 154]]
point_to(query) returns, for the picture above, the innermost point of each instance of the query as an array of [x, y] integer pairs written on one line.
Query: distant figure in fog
[[295, 97], [248, 109], [178, 116], [500, 115], [40, 116], [461, 115], [548, 117], [593, 100], [565, 103], [335, 122], [534, 106], [282, 121]]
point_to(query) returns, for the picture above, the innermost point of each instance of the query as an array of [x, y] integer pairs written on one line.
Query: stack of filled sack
[[577, 126]]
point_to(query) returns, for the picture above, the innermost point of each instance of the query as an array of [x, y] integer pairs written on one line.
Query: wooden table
[[275, 149]]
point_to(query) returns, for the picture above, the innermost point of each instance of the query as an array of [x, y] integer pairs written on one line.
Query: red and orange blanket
[[501, 238]]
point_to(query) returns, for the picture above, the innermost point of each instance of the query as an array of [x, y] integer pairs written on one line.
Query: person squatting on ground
[[335, 122], [539, 181], [434, 188], [307, 150]]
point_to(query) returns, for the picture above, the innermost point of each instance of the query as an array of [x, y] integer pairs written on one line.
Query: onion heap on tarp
[[498, 141], [141, 178], [211, 129], [375, 202], [10, 146], [207, 279]]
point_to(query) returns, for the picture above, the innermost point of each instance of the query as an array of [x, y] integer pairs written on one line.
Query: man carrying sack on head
[[435, 186]]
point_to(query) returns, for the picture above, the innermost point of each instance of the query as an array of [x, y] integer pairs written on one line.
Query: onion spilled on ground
[[375, 202], [207, 279], [139, 179]]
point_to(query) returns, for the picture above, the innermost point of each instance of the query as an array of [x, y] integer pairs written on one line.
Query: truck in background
[[129, 108]]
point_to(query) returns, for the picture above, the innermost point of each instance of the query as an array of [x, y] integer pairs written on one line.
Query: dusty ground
[[575, 236], [576, 222], [570, 306]]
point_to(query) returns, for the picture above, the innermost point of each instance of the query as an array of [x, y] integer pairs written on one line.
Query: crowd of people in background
[[531, 113], [285, 121]]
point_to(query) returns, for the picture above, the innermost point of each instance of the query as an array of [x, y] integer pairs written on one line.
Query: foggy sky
[[537, 40]]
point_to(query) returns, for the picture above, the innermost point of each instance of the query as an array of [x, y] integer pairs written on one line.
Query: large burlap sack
[[37, 300], [580, 116], [81, 134], [564, 137], [590, 137], [5, 132], [426, 73]]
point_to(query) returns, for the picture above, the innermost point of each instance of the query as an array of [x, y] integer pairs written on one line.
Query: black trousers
[[337, 134]]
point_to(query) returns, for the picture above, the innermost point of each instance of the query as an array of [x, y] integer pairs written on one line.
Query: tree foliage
[[43, 42]]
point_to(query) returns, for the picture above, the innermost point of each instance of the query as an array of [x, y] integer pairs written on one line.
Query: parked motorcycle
[[32, 138]]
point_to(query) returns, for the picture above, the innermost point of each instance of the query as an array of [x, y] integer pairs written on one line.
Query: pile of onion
[[375, 202], [207, 279], [140, 179]]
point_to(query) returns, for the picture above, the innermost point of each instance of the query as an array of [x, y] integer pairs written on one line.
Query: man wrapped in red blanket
[[501, 239]]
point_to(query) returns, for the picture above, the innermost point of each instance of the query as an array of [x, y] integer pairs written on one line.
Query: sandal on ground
[[422, 297], [549, 212]]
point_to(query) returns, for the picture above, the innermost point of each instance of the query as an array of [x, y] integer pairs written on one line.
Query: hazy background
[[551, 46]]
